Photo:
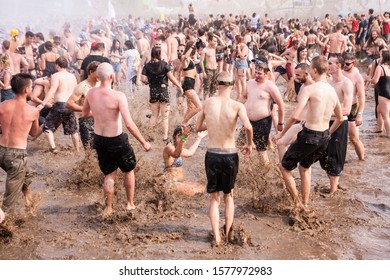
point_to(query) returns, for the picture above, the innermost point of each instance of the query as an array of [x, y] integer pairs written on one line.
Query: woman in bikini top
[[174, 152]]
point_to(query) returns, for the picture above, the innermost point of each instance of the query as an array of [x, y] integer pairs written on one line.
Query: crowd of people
[[227, 68]]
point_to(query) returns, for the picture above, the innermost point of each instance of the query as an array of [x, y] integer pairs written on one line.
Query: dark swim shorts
[[114, 152], [261, 131], [188, 83], [86, 131], [221, 171], [159, 95], [334, 159], [58, 115], [307, 149]]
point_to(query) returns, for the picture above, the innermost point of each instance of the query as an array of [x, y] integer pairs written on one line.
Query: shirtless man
[[111, 144], [355, 118], [30, 53], [220, 114], [337, 41], [321, 101], [17, 121], [173, 44], [302, 75], [333, 160], [69, 43], [211, 70], [259, 95], [177, 74], [76, 100], [142, 43], [16, 60], [62, 87], [312, 42]]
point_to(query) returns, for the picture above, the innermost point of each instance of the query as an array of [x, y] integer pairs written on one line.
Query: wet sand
[[66, 222]]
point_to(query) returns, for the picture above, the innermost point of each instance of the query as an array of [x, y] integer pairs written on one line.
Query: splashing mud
[[67, 223]]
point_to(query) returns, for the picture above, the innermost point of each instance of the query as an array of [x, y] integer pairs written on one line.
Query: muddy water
[[66, 223]]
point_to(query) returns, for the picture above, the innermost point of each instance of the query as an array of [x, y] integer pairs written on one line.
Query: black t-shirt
[[218, 24], [89, 59], [156, 73]]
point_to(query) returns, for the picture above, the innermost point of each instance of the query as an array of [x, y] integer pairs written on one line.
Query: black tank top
[[383, 85]]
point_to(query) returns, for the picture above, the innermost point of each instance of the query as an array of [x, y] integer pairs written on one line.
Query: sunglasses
[[223, 83], [348, 63], [180, 50]]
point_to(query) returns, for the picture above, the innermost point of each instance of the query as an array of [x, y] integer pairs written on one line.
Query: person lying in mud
[[173, 155]]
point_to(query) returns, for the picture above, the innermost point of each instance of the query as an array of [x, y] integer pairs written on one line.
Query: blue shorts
[[117, 67]]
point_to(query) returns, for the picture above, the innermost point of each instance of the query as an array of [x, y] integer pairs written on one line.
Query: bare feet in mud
[[107, 212], [327, 192], [32, 201], [130, 206]]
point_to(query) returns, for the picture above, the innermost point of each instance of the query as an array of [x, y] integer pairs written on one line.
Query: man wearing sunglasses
[[355, 118], [333, 160], [177, 74]]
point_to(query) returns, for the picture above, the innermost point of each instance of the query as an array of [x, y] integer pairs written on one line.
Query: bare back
[[321, 100], [17, 120], [337, 43], [105, 106], [221, 116], [64, 84]]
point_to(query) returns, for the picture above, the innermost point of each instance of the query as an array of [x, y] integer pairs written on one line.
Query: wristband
[[183, 138], [360, 113]]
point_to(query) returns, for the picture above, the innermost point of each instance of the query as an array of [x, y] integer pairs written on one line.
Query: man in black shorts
[[259, 95], [220, 113], [321, 102], [111, 144]]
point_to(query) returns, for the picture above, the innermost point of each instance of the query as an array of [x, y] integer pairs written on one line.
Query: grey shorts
[[14, 162]]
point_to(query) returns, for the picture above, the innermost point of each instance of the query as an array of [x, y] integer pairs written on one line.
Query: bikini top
[[191, 65], [178, 162]]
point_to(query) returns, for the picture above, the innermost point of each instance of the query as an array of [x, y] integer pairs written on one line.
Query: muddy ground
[[66, 222]]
